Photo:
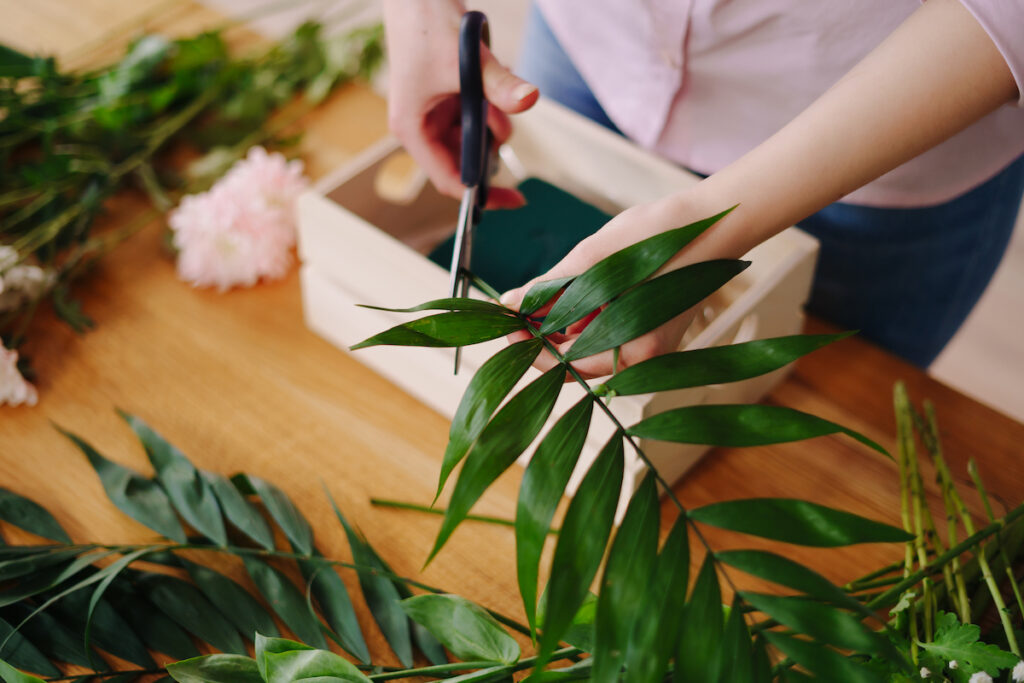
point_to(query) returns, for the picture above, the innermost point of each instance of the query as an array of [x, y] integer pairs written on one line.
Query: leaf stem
[[402, 505], [428, 670]]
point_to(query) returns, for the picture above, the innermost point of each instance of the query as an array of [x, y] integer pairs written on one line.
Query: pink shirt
[[702, 82]]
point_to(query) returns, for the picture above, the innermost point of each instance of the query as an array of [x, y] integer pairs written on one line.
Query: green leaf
[[541, 489], [11, 675], [761, 662], [141, 499], [541, 293], [156, 630], [215, 669], [286, 600], [466, 629], [453, 304], [53, 637], [421, 637], [283, 511], [265, 645], [738, 426], [581, 632], [786, 572], [49, 578], [797, 521], [461, 328], [954, 640], [485, 392], [183, 603], [654, 640], [336, 605], [381, 595], [14, 64], [315, 666], [581, 542], [21, 653], [69, 593], [32, 564], [823, 662], [716, 365], [191, 494], [618, 272], [821, 622], [238, 511], [107, 576], [142, 58], [735, 657], [651, 304], [626, 581], [30, 516], [110, 632], [700, 638], [233, 601], [504, 438]]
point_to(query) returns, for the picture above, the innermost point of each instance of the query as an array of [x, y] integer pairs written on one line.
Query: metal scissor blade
[[459, 283]]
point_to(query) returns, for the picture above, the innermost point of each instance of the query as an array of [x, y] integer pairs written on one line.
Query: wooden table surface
[[239, 383]]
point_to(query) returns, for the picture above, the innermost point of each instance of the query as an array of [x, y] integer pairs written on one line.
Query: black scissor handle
[[475, 146]]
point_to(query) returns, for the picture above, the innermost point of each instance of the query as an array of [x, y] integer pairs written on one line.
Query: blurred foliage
[[70, 140]]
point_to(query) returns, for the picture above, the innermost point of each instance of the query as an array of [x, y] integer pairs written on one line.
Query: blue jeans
[[906, 278]]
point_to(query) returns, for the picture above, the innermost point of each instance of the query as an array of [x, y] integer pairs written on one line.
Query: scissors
[[477, 142]]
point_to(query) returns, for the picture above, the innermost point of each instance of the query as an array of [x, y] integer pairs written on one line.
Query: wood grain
[[239, 383]]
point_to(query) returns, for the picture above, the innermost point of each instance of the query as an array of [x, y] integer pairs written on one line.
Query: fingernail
[[523, 90]]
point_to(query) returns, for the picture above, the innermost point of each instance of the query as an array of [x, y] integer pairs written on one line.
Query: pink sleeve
[[1003, 20]]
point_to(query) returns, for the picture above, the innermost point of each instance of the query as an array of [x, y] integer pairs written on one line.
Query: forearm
[[935, 75]]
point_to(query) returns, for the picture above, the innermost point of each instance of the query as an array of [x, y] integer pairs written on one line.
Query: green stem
[[401, 505], [903, 436], [882, 571], [930, 434], [429, 670], [526, 663], [107, 674], [972, 469], [935, 566], [986, 570]]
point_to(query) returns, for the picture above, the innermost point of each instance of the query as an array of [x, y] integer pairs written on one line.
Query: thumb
[[504, 89]]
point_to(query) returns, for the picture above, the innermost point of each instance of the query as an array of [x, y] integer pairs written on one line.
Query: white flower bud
[[1018, 673], [980, 677]]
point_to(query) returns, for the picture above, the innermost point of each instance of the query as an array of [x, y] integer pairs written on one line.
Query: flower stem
[[930, 435], [986, 570], [936, 565], [904, 438]]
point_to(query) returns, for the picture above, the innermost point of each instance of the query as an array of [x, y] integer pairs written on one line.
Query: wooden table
[[239, 383]]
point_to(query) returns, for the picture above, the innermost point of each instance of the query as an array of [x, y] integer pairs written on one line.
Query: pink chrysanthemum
[[14, 390], [243, 229]]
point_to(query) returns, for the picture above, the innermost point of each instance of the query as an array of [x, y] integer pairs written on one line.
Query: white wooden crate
[[360, 247]]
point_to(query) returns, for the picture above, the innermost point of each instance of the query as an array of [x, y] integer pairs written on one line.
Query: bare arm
[[935, 75]]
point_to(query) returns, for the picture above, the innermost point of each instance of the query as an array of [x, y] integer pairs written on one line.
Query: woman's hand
[[423, 102], [632, 225]]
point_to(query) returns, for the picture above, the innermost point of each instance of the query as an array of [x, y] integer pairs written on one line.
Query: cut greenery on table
[[71, 140], [66, 603]]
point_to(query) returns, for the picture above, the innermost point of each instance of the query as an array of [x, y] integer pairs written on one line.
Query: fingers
[[504, 89]]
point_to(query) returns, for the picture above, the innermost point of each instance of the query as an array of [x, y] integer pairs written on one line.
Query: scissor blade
[[461, 251], [459, 283]]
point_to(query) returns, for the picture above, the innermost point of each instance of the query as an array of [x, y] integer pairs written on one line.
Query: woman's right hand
[[423, 91]]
